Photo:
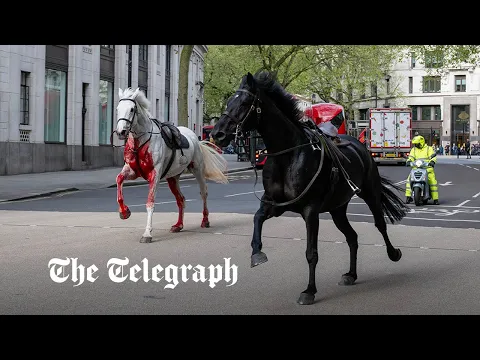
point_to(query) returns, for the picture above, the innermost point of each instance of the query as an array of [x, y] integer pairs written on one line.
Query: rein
[[137, 150], [321, 139]]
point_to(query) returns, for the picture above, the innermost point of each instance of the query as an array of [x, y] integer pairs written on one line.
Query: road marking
[[462, 203], [440, 206], [422, 218], [296, 239], [469, 166], [163, 202], [447, 183], [476, 195], [245, 193], [424, 247], [338, 242], [473, 250], [378, 245], [217, 233]]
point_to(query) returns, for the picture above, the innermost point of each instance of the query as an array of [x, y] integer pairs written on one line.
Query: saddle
[[313, 132], [173, 138]]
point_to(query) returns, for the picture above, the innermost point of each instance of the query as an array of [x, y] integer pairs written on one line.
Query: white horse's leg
[[152, 191], [174, 186], [198, 173], [126, 174]]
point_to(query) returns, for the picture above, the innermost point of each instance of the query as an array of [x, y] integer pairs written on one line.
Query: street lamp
[[387, 79]]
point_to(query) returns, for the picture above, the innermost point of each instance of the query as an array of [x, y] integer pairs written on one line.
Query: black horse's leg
[[339, 217], [375, 206], [311, 220], [258, 257]]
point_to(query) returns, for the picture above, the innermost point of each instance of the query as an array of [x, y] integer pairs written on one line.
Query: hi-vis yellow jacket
[[423, 154]]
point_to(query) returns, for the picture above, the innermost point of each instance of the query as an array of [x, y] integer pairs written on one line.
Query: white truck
[[389, 138]]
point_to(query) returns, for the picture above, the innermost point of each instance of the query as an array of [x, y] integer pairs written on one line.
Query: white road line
[[163, 202], [258, 191], [476, 195], [423, 218], [245, 193], [462, 203], [469, 166]]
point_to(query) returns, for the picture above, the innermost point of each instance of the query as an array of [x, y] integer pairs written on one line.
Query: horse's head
[[241, 108], [127, 111]]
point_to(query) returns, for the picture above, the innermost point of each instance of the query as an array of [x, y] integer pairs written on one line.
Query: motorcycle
[[419, 181]]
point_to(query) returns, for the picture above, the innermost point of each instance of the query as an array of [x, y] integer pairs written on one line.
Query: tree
[[183, 85], [225, 65], [449, 56]]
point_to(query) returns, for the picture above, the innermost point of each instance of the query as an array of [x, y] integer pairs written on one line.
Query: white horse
[[154, 156]]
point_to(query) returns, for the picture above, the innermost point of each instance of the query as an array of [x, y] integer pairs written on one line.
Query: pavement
[[437, 274], [34, 185]]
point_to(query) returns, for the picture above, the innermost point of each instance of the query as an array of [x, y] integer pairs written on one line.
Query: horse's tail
[[215, 163], [392, 205]]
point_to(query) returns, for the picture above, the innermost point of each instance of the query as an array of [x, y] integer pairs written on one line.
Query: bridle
[[130, 122], [239, 134]]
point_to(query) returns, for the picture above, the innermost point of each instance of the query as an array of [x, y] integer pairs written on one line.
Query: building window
[[433, 59], [431, 84], [168, 64], [414, 113], [143, 68], [410, 85], [106, 112], [438, 112], [412, 60], [143, 52], [55, 105], [460, 83], [426, 112], [24, 98]]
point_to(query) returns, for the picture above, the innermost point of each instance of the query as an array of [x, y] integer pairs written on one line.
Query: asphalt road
[[459, 190], [438, 273]]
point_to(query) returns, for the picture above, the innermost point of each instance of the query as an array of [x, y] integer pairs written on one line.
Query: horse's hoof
[[205, 224], [347, 280], [397, 255], [124, 215], [176, 228], [258, 258], [146, 239], [306, 299]]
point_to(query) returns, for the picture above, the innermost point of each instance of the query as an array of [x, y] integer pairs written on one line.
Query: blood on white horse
[[146, 155]]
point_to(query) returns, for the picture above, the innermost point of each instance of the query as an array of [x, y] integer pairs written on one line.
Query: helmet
[[418, 141]]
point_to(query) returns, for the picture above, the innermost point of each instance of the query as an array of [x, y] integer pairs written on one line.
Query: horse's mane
[[286, 102], [140, 98]]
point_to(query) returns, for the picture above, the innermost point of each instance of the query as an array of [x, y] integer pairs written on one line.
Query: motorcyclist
[[421, 151]]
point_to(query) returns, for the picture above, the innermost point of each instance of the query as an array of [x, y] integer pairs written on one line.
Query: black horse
[[307, 172]]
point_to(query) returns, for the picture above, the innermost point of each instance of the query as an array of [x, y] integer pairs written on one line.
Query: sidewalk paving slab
[[34, 185]]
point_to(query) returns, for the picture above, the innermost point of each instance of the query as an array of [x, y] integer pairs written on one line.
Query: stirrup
[[316, 146], [354, 187]]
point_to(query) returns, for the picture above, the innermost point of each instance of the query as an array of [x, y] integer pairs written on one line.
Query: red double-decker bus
[[324, 112]]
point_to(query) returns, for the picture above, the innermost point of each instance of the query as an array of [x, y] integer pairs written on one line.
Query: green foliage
[[301, 69]]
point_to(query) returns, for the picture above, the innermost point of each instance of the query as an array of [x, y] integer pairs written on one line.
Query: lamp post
[[387, 79]]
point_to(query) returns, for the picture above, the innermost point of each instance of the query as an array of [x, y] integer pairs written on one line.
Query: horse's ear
[[136, 92], [250, 81], [120, 92]]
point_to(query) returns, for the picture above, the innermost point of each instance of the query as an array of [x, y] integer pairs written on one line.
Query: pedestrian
[[467, 149]]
